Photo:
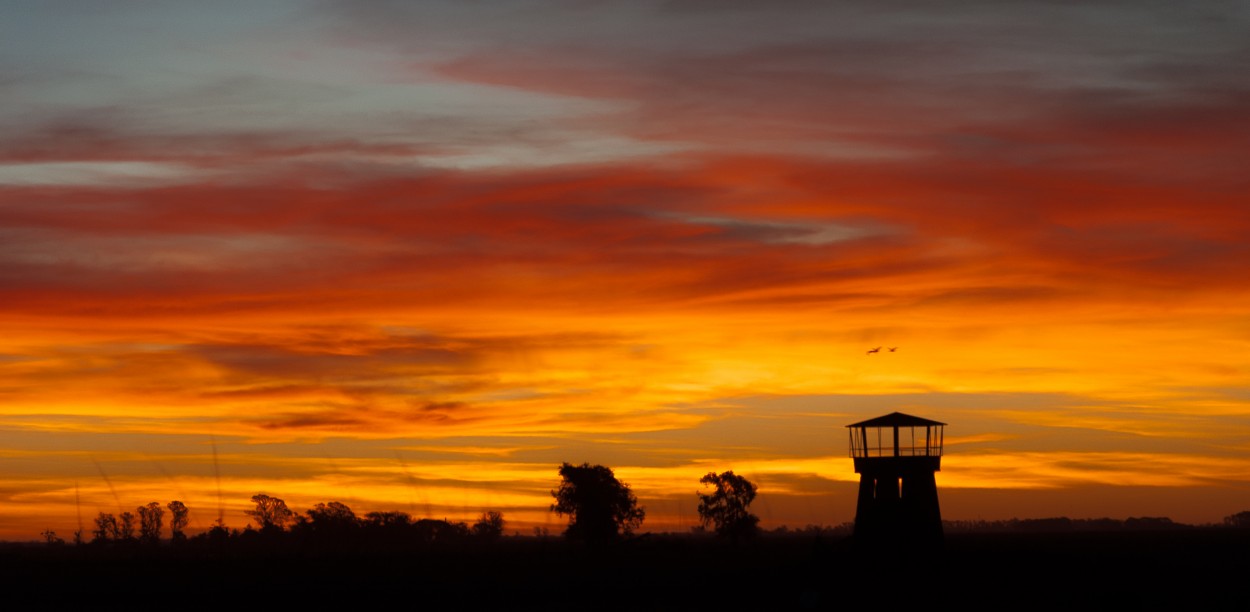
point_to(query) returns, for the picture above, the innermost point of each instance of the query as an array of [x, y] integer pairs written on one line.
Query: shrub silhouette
[[50, 538], [430, 531], [389, 520], [489, 526]]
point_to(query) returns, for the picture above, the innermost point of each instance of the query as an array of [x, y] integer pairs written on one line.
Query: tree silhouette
[[489, 526], [271, 513], [126, 526], [1240, 520], [151, 517], [429, 531], [177, 520], [106, 529], [334, 519], [726, 508], [332, 513], [388, 520], [218, 533], [599, 506]]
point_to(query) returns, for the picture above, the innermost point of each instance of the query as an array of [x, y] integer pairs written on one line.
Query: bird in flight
[[876, 350], [893, 348]]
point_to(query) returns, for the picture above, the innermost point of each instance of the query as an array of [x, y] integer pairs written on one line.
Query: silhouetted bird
[[876, 350], [893, 348]]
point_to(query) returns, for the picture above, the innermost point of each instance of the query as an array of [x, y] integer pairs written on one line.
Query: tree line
[[599, 508], [1240, 520], [332, 521]]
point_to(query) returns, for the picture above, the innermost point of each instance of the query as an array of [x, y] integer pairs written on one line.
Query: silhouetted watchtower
[[896, 456]]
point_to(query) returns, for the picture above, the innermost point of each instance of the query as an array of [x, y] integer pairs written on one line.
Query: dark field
[[1184, 569]]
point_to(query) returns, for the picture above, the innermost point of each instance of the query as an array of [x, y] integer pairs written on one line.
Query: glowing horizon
[[415, 257]]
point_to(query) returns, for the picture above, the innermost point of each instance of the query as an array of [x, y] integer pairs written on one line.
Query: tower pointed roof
[[896, 419]]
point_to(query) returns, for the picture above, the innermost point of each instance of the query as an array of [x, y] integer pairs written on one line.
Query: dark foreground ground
[[1189, 569]]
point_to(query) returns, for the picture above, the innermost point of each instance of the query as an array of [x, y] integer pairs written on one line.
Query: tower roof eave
[[896, 419]]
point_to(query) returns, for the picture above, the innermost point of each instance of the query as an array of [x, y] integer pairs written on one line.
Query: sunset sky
[[414, 255]]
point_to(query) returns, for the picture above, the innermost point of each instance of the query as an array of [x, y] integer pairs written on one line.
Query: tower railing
[[889, 441]]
